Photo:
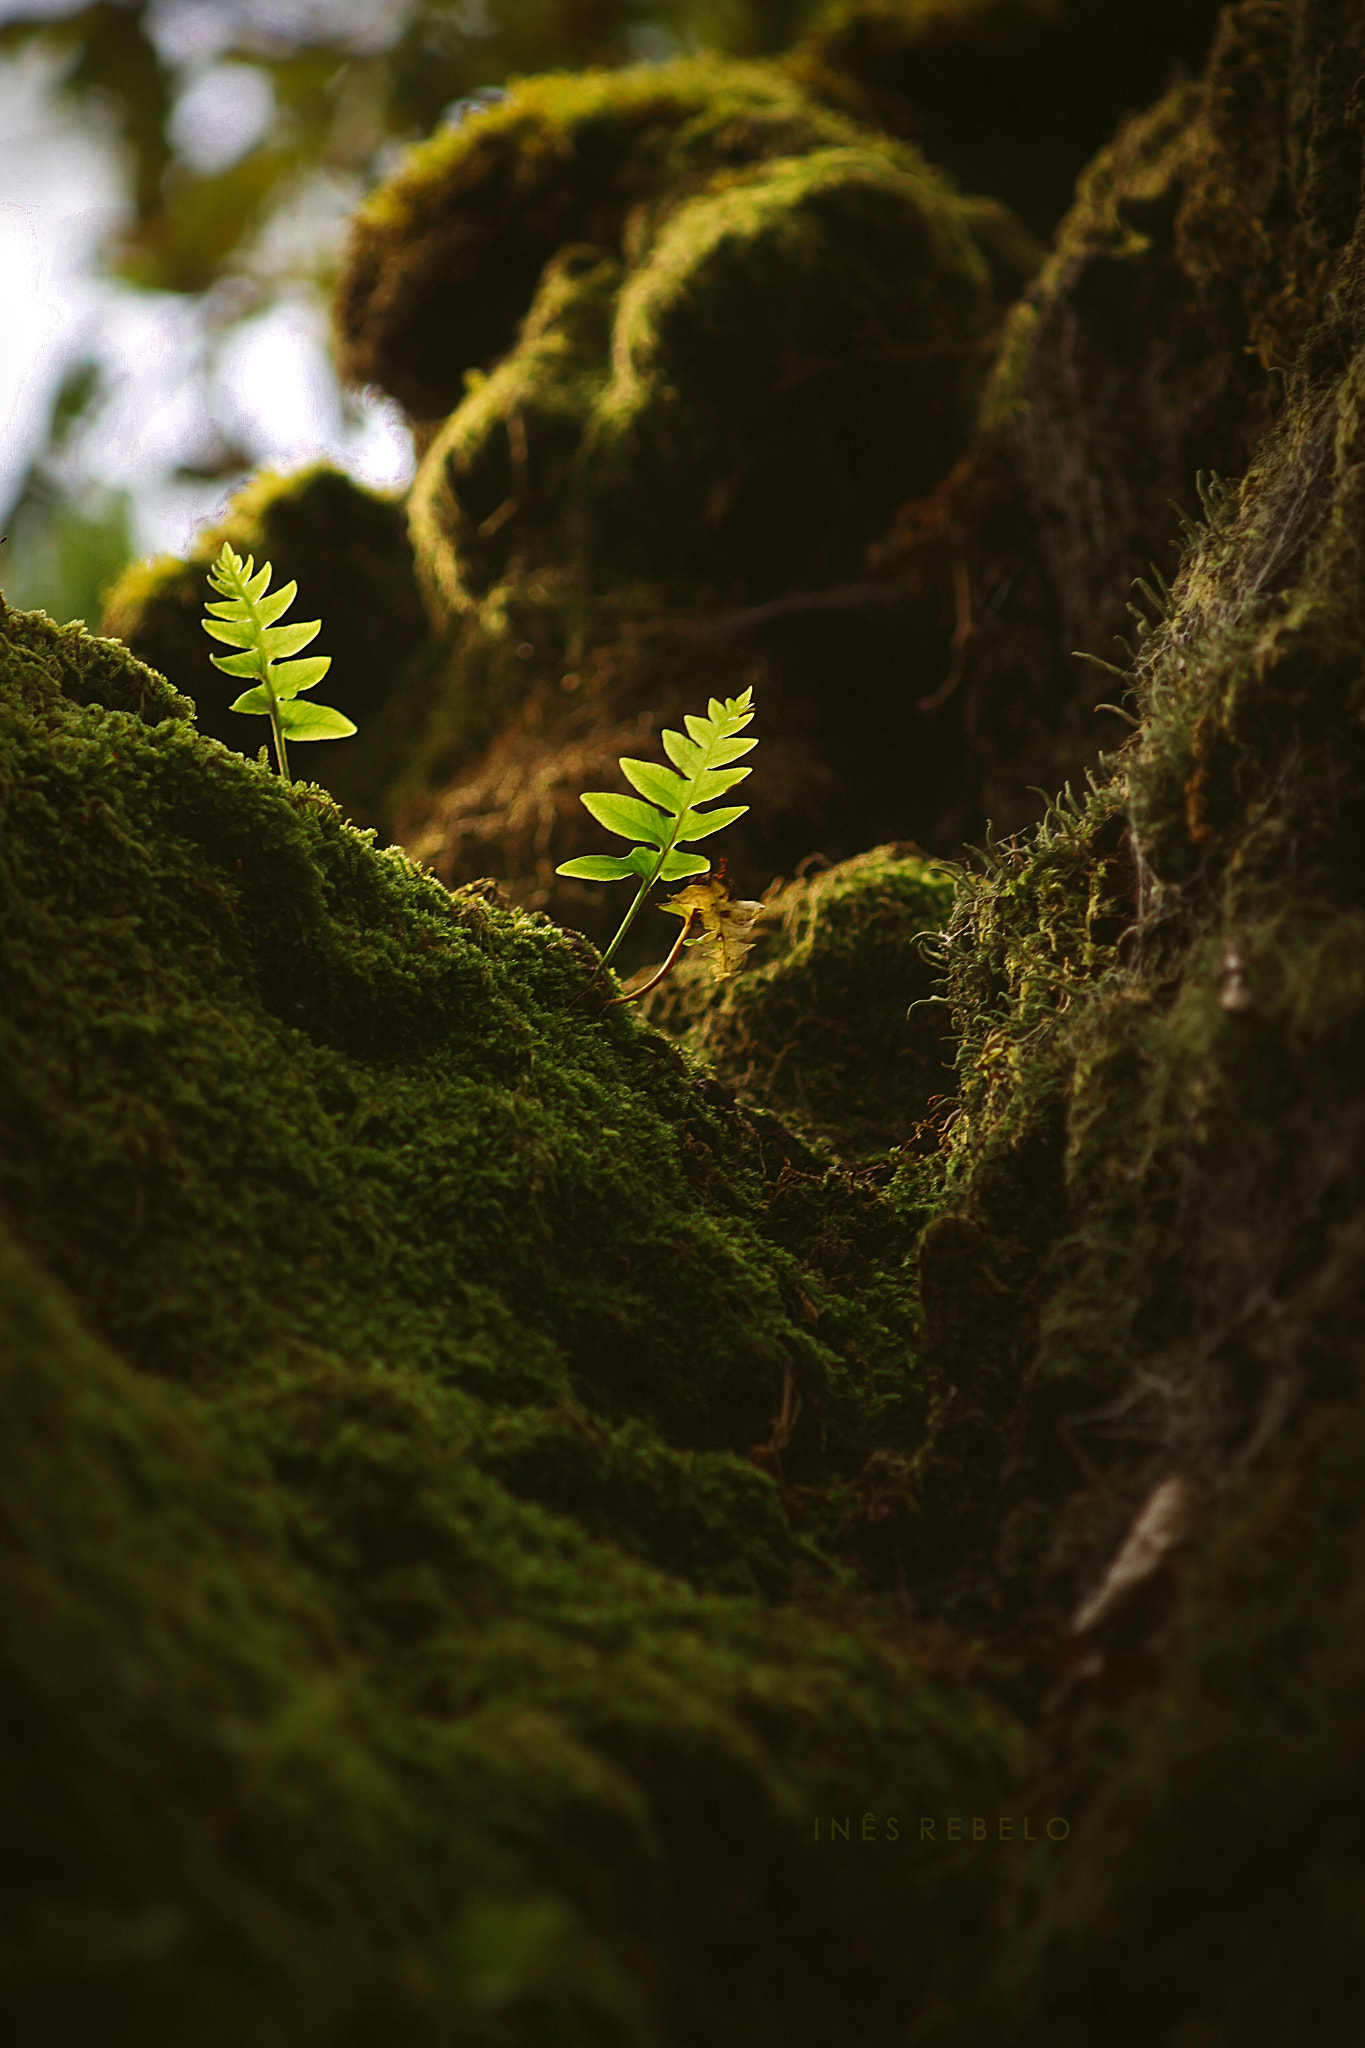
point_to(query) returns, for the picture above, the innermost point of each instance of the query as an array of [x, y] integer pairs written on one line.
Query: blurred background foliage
[[336, 88], [232, 140], [243, 134]]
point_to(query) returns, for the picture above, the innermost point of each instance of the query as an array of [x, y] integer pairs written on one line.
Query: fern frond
[[246, 619], [672, 818]]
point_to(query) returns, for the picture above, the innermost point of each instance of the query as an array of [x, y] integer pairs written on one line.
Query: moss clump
[[1139, 356], [693, 337], [816, 1026], [446, 258], [1146, 1256], [347, 549], [1013, 97], [501, 465], [351, 1702], [734, 393]]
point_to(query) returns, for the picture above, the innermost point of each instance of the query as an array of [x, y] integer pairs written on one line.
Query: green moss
[[802, 343], [679, 339], [1013, 97], [446, 257], [1031, 937], [730, 331], [816, 1027], [1213, 1870], [347, 549], [499, 468], [1145, 1256], [449, 1434], [735, 394], [1139, 356], [353, 1704]]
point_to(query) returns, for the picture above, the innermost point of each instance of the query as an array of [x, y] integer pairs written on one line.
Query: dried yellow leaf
[[726, 922]]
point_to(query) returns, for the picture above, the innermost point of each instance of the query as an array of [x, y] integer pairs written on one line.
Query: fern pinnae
[[671, 818], [246, 619]]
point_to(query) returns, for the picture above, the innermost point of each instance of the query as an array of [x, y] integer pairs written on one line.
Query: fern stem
[[281, 756], [663, 972], [628, 920], [649, 881]]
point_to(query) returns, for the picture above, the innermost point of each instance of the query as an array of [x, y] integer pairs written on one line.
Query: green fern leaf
[[671, 819], [600, 867], [246, 619]]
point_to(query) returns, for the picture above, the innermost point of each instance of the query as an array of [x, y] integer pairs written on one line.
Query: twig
[[634, 995]]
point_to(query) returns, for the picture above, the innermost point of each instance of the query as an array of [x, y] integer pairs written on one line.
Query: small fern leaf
[[280, 642], [672, 817], [256, 701], [676, 865], [313, 721], [247, 664], [293, 676], [628, 816], [660, 785], [244, 617], [701, 824], [599, 867]]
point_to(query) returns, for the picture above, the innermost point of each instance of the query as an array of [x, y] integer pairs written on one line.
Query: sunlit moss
[[817, 1026]]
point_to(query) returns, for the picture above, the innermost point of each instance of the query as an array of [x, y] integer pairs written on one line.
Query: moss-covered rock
[[1144, 359], [737, 407], [1141, 354], [1144, 1266], [347, 549], [446, 259], [389, 1631], [1013, 97], [678, 338], [817, 1027], [508, 1490]]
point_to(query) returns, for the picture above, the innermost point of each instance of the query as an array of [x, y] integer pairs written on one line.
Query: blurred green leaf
[[342, 103], [111, 60], [61, 556]]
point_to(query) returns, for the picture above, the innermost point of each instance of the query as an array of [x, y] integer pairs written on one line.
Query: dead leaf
[[727, 924], [769, 1455], [1161, 1525]]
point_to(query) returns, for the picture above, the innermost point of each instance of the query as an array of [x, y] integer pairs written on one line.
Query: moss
[[445, 258], [694, 337], [1137, 364], [815, 1028], [1013, 97], [514, 1485], [347, 549], [1214, 1873], [1132, 364], [1144, 1259], [500, 466], [329, 1225], [733, 392], [796, 352]]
